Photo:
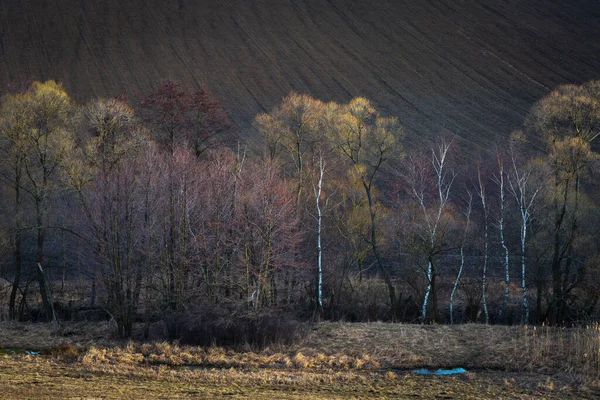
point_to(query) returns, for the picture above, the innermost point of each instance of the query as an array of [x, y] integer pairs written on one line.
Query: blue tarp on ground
[[424, 371]]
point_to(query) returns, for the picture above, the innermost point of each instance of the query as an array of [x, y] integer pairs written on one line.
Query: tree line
[[160, 213]]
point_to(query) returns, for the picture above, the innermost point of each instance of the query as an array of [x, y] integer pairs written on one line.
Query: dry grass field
[[335, 360], [470, 68]]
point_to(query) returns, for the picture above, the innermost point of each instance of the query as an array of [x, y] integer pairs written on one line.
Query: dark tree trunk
[[384, 272], [12, 312], [45, 293]]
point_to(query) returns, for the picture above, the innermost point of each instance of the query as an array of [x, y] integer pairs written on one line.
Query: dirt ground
[[335, 360], [36, 378], [469, 68]]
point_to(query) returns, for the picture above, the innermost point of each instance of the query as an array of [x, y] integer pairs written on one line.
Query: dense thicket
[[151, 212]]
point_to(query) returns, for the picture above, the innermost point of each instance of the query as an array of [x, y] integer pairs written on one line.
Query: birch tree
[[525, 187], [430, 187], [467, 214], [481, 193], [318, 191], [499, 180], [321, 204]]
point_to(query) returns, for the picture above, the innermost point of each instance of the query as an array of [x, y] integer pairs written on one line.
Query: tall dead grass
[[174, 355], [574, 352], [571, 352]]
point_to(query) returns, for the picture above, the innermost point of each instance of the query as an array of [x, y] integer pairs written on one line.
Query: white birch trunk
[[428, 291], [482, 197], [506, 267], [500, 182], [458, 276], [319, 225], [523, 284], [519, 185], [443, 185], [462, 255], [484, 276]]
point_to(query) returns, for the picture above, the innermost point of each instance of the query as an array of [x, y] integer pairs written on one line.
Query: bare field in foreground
[[26, 377], [336, 360]]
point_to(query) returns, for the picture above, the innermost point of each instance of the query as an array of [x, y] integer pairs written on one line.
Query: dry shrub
[[222, 325], [94, 355], [361, 300], [66, 351], [390, 376], [300, 361]]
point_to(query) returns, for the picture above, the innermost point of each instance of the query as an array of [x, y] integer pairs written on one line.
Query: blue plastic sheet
[[424, 371]]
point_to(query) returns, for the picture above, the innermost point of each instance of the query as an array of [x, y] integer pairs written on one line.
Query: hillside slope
[[471, 68]]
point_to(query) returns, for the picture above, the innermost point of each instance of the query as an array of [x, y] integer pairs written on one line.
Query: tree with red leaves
[[183, 117], [211, 121]]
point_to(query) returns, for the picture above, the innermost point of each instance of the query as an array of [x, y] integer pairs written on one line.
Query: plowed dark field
[[464, 67]]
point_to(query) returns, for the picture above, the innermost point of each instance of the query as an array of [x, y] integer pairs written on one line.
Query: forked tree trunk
[[47, 301]]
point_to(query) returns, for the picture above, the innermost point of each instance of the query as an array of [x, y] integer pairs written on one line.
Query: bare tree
[[499, 180], [481, 193], [525, 188], [318, 192], [439, 180], [269, 228], [467, 214], [321, 207], [106, 173]]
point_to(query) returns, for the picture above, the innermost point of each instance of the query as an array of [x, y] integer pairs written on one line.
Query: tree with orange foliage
[[567, 121], [367, 141], [42, 137]]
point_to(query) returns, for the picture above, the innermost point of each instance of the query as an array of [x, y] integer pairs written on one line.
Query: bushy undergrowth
[[256, 329], [232, 325]]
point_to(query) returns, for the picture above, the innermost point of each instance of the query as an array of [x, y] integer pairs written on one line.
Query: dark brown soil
[[471, 68]]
